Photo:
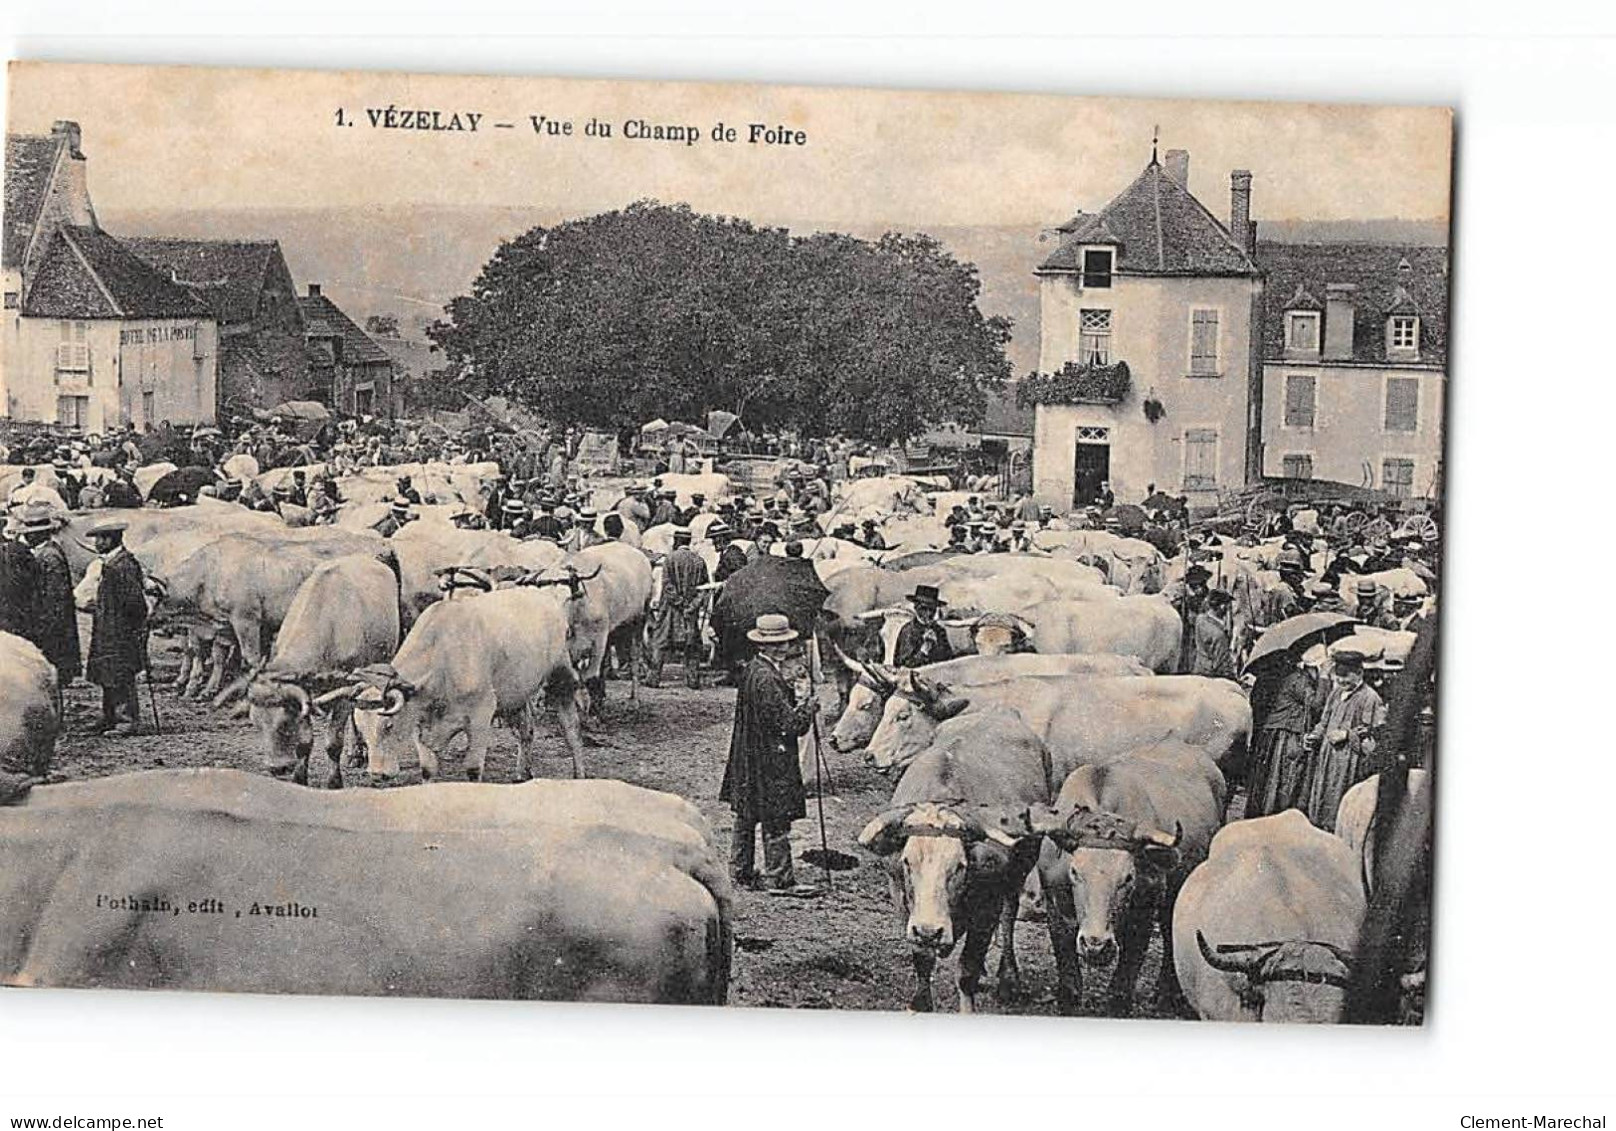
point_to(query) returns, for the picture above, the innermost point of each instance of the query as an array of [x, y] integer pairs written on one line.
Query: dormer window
[[1403, 334], [1097, 265], [1302, 331]]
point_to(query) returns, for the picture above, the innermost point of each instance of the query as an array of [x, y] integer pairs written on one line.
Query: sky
[[166, 137]]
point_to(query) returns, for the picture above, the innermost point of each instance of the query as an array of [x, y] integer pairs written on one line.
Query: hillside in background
[[409, 260]]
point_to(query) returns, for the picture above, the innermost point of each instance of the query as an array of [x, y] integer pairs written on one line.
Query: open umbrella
[[771, 585], [1300, 632]]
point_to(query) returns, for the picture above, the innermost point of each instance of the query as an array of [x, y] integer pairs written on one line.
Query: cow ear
[[1044, 819], [945, 709], [884, 835]]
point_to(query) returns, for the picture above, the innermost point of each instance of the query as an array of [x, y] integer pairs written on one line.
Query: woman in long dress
[[1343, 740], [1288, 693]]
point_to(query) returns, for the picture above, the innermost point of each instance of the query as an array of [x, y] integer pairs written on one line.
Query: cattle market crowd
[[1146, 726]]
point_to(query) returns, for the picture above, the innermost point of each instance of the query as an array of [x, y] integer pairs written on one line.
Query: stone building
[[349, 371]]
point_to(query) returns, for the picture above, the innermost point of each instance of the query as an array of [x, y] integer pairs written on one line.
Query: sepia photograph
[[721, 544]]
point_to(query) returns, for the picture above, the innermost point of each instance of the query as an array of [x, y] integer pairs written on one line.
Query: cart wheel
[[1421, 526], [1262, 504], [1378, 530], [1356, 521]]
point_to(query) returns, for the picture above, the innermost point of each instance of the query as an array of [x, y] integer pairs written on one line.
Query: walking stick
[[819, 778], [151, 693]]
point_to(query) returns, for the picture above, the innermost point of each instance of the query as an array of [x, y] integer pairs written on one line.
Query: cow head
[[1001, 634], [1294, 980], [873, 684], [387, 715], [281, 711], [909, 721], [1110, 863], [934, 846]]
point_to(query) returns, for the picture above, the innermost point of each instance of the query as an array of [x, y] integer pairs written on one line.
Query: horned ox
[[464, 662], [630, 906], [1265, 928], [1084, 720], [954, 871], [1121, 839], [609, 609], [346, 615]]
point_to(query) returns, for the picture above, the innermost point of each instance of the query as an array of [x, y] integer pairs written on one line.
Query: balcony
[[1075, 384]]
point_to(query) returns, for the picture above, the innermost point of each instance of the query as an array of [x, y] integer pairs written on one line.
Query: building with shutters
[[1354, 364], [1150, 314], [93, 336], [349, 371]]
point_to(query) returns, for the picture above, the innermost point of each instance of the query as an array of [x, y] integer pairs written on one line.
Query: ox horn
[[883, 835], [1221, 960], [392, 702], [1161, 839], [346, 692]]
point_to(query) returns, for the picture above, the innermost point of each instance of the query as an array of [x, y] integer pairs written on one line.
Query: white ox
[[876, 683], [1083, 720], [1265, 928], [464, 663], [594, 891], [611, 586], [344, 616], [1132, 565], [1355, 816], [1146, 628], [954, 872], [715, 486], [28, 718], [1122, 838]]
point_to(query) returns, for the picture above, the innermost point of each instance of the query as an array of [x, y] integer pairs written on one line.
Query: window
[[1096, 267], [1298, 466], [364, 399], [11, 300], [73, 412], [1397, 477], [1091, 435], [1402, 404], [1302, 331], [1200, 458], [73, 351], [148, 408], [1403, 334], [1301, 399], [1204, 343], [1094, 338]]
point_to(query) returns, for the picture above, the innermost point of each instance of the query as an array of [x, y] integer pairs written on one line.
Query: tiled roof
[[1390, 278], [29, 162], [87, 273], [227, 274], [1159, 228], [357, 348]]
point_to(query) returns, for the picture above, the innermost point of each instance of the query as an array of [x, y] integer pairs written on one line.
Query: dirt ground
[[843, 951]]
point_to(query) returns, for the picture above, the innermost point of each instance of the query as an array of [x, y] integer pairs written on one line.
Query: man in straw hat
[[118, 632], [763, 780], [923, 640]]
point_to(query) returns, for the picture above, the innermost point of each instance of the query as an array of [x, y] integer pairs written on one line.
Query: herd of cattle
[[1086, 763]]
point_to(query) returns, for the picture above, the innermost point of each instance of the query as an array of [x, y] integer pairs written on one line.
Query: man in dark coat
[[730, 556], [1213, 656], [923, 640], [19, 584], [118, 636], [122, 492], [55, 620], [762, 781], [677, 619], [1189, 603]]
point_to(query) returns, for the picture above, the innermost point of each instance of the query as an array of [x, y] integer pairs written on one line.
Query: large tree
[[660, 311]]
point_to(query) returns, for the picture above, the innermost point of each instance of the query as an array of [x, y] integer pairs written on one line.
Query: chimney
[[69, 132], [1178, 166], [1240, 210], [314, 290], [1338, 319]]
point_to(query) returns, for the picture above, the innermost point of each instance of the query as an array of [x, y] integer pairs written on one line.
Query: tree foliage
[[657, 310]]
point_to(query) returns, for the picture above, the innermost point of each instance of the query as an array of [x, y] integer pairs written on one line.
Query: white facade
[[1198, 446], [102, 373]]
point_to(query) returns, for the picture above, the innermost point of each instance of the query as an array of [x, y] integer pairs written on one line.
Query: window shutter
[[1299, 400], [1200, 457], [1299, 467], [1204, 342], [1402, 404]]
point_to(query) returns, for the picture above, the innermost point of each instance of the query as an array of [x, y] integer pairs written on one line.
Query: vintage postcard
[[717, 544]]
